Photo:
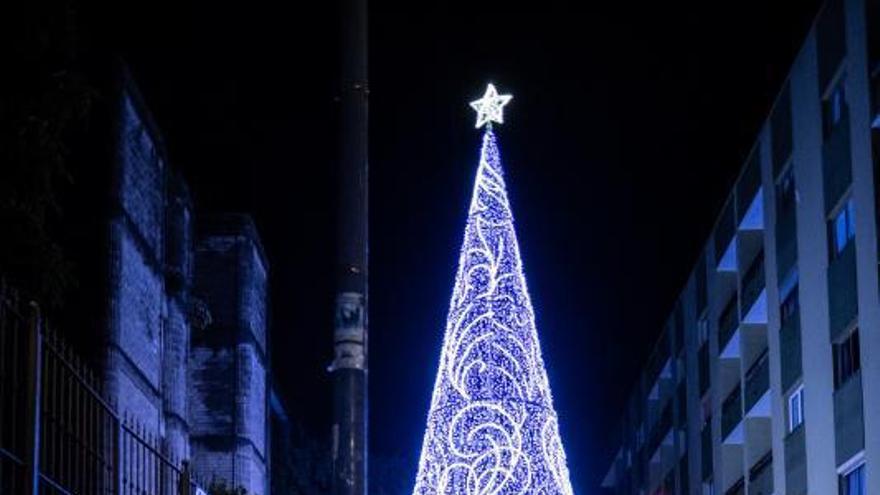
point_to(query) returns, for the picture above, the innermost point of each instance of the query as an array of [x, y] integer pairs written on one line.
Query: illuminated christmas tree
[[492, 428]]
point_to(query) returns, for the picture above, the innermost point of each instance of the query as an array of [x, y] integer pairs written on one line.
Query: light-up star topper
[[490, 108]]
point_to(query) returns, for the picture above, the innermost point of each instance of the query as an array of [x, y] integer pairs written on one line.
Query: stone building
[[228, 356], [185, 351]]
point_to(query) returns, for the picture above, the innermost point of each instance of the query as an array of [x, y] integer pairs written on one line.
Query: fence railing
[[59, 434]]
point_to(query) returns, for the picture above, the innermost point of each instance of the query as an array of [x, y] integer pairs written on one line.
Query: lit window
[[847, 359], [796, 408], [853, 482], [842, 229]]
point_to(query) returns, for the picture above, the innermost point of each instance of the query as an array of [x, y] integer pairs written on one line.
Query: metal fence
[[59, 435]]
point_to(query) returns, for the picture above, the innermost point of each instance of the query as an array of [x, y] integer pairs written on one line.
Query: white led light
[[492, 429], [490, 108]]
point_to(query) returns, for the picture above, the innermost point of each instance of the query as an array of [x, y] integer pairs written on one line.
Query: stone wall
[[179, 264], [228, 373], [138, 305], [185, 352]]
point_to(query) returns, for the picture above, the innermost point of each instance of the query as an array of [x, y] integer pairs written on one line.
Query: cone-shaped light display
[[491, 428]]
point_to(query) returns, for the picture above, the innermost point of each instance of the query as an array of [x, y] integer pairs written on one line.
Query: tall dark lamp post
[[349, 366]]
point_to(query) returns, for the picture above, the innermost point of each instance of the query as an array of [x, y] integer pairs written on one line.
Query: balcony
[[681, 399], [703, 361], [660, 431], [701, 282], [754, 297], [837, 162], [796, 461], [786, 239], [842, 291], [750, 201], [761, 476], [738, 488], [849, 423], [725, 240], [780, 130], [731, 418], [728, 324], [757, 396], [706, 452], [790, 350]]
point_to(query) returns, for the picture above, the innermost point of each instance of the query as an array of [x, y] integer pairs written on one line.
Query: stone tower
[[228, 362]]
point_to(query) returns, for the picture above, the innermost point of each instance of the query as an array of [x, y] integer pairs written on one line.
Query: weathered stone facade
[[228, 357], [185, 344]]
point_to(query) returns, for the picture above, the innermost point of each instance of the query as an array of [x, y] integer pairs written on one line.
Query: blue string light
[[491, 428]]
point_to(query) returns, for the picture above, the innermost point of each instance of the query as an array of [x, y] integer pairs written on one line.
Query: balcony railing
[[757, 380], [753, 283], [731, 412], [727, 323]]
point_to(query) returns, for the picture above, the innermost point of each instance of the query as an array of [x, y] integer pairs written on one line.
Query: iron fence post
[[34, 396], [117, 454]]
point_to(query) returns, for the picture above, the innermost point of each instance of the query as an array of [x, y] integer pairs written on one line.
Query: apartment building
[[766, 376]]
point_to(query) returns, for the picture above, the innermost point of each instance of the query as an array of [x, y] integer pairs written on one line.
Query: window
[[853, 482], [703, 362], [790, 303], [847, 359], [640, 435], [706, 413], [785, 190], [702, 331], [842, 229], [834, 108], [796, 408]]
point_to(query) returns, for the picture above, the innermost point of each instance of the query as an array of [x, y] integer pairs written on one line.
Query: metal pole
[[34, 400], [349, 367]]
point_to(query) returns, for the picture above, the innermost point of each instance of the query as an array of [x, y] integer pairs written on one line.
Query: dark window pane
[[780, 129], [789, 305], [847, 359], [830, 41]]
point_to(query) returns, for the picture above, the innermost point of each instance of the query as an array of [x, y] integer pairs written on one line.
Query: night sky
[[627, 129]]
